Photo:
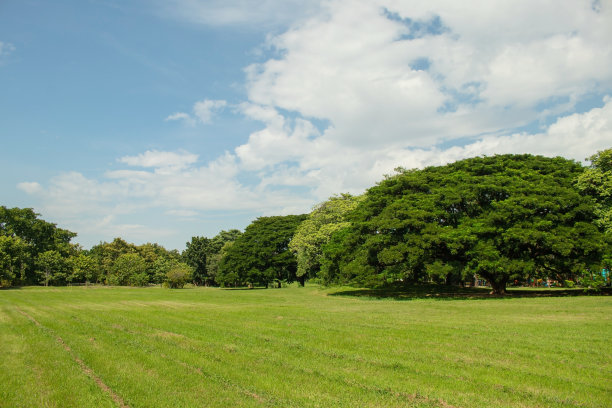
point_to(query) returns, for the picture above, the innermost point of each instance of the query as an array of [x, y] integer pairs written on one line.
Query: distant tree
[[53, 268], [316, 231], [14, 257], [106, 254], [155, 256], [38, 236], [203, 254], [196, 255], [83, 267], [261, 255], [501, 217], [129, 269], [227, 278], [178, 275]]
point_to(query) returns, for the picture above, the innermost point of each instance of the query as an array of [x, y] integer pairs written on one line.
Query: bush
[[592, 282]]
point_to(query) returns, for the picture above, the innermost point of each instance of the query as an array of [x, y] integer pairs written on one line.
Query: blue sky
[[160, 120]]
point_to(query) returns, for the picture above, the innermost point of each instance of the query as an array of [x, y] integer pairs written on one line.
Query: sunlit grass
[[301, 347]]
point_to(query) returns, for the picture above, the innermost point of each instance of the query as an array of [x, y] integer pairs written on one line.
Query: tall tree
[[203, 254], [14, 257], [316, 231], [129, 269], [261, 255], [501, 217], [53, 268], [196, 255], [38, 235], [105, 255]]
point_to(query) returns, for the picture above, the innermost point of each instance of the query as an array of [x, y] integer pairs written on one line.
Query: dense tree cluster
[[31, 247], [500, 218]]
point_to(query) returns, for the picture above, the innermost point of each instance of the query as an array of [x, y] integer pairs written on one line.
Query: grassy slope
[[299, 347]]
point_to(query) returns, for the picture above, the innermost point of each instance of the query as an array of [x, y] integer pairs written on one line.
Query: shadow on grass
[[443, 292]]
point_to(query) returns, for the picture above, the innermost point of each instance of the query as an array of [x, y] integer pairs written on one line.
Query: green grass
[[300, 347]]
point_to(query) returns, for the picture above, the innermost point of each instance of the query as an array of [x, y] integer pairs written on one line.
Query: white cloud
[[392, 79], [204, 110], [30, 187], [154, 158], [357, 88], [6, 48], [181, 116], [182, 213], [490, 68]]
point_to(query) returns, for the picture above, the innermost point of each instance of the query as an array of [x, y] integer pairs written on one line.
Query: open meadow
[[299, 347]]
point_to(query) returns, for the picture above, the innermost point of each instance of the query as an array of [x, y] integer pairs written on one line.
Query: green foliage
[[204, 255], [597, 182], [196, 255], [316, 231], [84, 268], [261, 255], [501, 217], [123, 263], [14, 258], [106, 253], [53, 268], [129, 269], [178, 275], [36, 236], [592, 281]]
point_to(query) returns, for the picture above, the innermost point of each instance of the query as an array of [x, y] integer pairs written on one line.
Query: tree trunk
[[499, 288], [301, 280]]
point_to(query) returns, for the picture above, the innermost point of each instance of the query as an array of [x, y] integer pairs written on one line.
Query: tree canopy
[[25, 238], [596, 181], [261, 254], [501, 217], [316, 231], [203, 254]]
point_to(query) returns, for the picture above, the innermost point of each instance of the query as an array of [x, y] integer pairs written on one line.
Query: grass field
[[299, 347]]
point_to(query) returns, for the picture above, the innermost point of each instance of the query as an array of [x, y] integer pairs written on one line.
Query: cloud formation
[[203, 111], [355, 88], [157, 159]]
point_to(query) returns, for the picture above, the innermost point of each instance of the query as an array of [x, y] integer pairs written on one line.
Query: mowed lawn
[[299, 347]]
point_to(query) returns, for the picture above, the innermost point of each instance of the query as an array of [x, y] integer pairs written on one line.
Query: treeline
[[503, 218]]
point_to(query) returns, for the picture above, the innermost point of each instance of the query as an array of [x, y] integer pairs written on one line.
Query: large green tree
[[261, 255], [53, 268], [129, 269], [316, 231], [14, 257], [106, 253], [203, 254], [501, 217], [596, 181], [37, 235], [196, 256]]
